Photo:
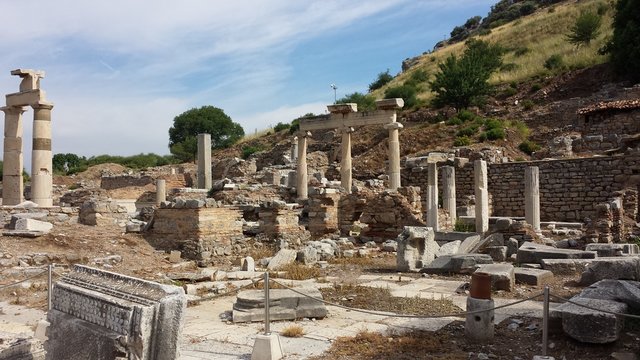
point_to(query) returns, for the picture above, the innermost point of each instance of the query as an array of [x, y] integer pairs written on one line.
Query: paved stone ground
[[209, 333]]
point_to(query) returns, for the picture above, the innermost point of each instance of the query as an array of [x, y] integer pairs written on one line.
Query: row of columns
[[532, 195]]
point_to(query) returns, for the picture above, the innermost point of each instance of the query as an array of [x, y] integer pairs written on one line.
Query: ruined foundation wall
[[569, 189]]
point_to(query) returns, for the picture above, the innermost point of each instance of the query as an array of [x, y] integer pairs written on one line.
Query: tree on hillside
[[207, 119], [365, 102], [625, 46], [383, 79], [585, 29], [463, 81], [66, 163]]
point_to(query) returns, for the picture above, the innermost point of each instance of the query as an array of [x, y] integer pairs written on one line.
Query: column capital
[[42, 104], [342, 108], [303, 134], [394, 126], [13, 109]]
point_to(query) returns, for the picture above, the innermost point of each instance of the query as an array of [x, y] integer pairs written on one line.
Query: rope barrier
[[371, 312], [595, 309], [23, 280], [254, 282]]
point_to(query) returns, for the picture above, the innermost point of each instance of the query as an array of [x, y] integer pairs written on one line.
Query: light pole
[[335, 96]]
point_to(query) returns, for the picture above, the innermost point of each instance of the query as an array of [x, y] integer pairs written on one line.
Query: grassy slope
[[542, 33]]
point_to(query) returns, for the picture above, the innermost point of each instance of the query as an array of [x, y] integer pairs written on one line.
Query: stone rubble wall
[[278, 220], [570, 189], [323, 212], [389, 212]]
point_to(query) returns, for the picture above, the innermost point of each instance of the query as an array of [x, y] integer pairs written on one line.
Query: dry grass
[[260, 252], [293, 331], [297, 271], [255, 135], [542, 34]]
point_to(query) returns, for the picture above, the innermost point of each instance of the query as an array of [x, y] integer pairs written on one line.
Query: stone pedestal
[[204, 161], [479, 326], [161, 191], [12, 185], [449, 191], [482, 196], [432, 196], [532, 197], [302, 172], [41, 157], [267, 347], [394, 154], [345, 162]]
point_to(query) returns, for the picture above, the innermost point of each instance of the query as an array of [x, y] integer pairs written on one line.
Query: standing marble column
[[345, 161], [482, 196], [301, 176], [532, 197], [161, 191], [204, 161], [394, 154], [432, 196], [41, 157], [294, 149], [449, 191], [13, 161]]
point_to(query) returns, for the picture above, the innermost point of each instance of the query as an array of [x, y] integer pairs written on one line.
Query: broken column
[[302, 173], [449, 191], [161, 191], [294, 149], [532, 197], [345, 162], [41, 157], [482, 195], [394, 154], [12, 184], [432, 196], [204, 161]]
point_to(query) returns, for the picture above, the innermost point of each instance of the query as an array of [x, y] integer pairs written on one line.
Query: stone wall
[[197, 231], [323, 212], [278, 219], [389, 212], [570, 189]]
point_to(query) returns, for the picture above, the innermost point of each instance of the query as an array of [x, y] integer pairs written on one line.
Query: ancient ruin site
[[437, 221]]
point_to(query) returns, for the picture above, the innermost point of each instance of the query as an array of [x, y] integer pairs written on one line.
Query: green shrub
[[527, 104], [462, 141], [536, 87], [408, 93], [281, 126], [490, 124], [521, 128], [496, 134], [554, 62], [250, 150], [454, 121], [483, 137], [463, 227], [513, 85], [508, 92], [383, 79], [528, 147], [468, 131], [585, 29], [465, 115]]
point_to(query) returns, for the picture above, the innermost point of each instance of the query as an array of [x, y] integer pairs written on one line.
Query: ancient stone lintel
[[390, 104], [342, 108]]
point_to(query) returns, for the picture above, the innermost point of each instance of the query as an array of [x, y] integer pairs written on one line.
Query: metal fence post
[[545, 322], [49, 286], [267, 319]]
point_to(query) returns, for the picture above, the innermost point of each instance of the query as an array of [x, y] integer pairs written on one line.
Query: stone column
[[41, 157], [432, 196], [204, 161], [394, 154], [301, 176], [532, 197], [13, 162], [294, 149], [449, 191], [161, 191], [482, 196], [345, 161]]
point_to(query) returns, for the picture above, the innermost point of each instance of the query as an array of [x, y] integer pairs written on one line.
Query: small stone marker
[[174, 256]]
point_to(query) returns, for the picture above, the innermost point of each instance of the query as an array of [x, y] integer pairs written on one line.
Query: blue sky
[[119, 71]]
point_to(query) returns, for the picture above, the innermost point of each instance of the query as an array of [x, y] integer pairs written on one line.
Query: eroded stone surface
[[284, 304]]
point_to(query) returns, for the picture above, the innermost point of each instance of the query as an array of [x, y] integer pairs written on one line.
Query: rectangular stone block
[[533, 277], [531, 252]]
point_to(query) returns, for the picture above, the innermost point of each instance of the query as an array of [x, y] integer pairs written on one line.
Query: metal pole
[[267, 319], [545, 322], [49, 286]]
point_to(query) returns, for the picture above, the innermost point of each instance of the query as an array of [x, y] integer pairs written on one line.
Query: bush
[[408, 93], [462, 227], [462, 141], [281, 126], [528, 147], [554, 62], [418, 77], [585, 29], [383, 79], [495, 134], [250, 150], [465, 115], [521, 128], [454, 121], [527, 104], [365, 102], [509, 92], [625, 44], [468, 131], [536, 87], [493, 124]]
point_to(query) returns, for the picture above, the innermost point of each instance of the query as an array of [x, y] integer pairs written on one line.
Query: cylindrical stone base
[[161, 191], [479, 326]]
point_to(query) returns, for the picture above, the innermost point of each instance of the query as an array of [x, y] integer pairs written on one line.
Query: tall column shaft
[[41, 157], [294, 149], [432, 196], [161, 191], [204, 161], [532, 197], [302, 181], [345, 161], [394, 154], [13, 161], [482, 196], [449, 191]]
